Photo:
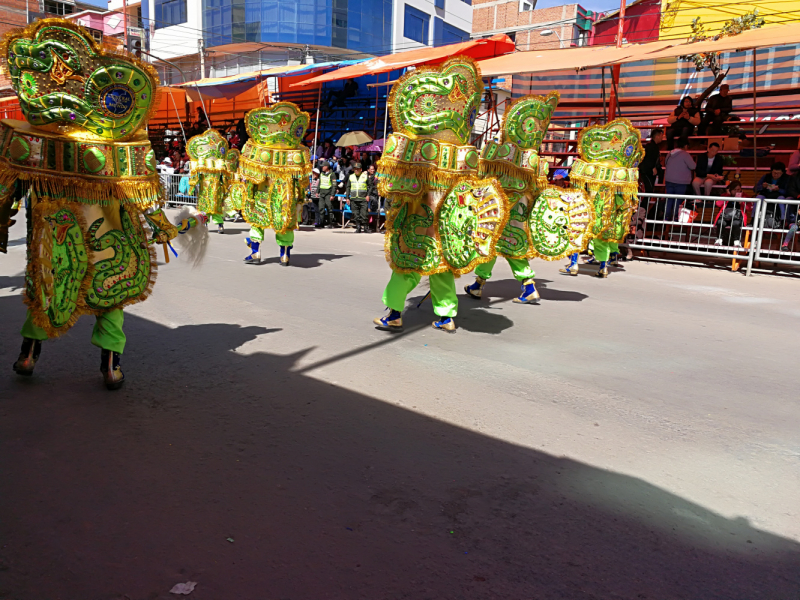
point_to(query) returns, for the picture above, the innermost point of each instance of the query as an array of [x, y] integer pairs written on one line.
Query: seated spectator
[[731, 216], [709, 170], [772, 186], [718, 110], [650, 168], [682, 121], [677, 177]]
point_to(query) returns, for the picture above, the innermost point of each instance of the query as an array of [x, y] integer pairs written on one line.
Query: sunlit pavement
[[633, 437]]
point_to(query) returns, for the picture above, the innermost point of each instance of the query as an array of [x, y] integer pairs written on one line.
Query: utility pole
[[125, 20], [612, 102], [202, 50]]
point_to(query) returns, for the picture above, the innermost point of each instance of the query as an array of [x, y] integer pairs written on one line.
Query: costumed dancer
[[84, 167], [544, 222], [213, 166], [275, 169], [443, 221], [607, 170]]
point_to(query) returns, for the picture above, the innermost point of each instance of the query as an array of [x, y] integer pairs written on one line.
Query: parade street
[[630, 437]]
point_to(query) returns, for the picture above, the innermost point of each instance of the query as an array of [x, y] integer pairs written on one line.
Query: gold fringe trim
[[265, 171], [534, 178], [428, 175], [144, 193], [629, 190]]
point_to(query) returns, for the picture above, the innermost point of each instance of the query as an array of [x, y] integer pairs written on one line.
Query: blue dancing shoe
[[602, 272], [255, 255], [529, 294], [572, 268], [476, 289], [391, 322], [445, 324], [286, 252], [613, 259]]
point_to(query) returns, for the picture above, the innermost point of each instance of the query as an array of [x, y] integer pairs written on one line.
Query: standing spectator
[[731, 216], [326, 178], [650, 168], [709, 170], [165, 171], [677, 177], [241, 131], [357, 191], [718, 110], [313, 193], [682, 121], [772, 186]]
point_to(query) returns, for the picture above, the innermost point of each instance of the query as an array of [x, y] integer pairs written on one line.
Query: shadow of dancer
[[246, 473]]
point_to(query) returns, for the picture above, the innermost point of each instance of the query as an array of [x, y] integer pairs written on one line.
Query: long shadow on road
[[246, 474]]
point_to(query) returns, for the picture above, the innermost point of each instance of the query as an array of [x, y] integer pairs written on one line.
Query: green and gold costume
[[273, 172], [444, 220], [607, 171], [84, 167], [213, 165], [544, 222]]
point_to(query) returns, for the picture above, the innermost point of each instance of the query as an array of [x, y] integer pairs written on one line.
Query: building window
[[439, 4], [415, 24], [453, 35], [467, 2], [526, 5], [54, 7], [170, 12]]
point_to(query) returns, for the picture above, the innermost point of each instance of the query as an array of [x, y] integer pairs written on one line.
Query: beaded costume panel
[[274, 167], [84, 169]]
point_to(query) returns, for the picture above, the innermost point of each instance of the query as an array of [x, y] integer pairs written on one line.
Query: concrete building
[[533, 28], [245, 35]]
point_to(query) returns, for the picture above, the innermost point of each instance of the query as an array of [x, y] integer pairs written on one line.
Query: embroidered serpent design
[[127, 273], [422, 254], [514, 241], [64, 262]]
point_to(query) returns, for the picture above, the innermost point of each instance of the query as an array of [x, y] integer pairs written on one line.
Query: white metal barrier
[[176, 189], [713, 226]]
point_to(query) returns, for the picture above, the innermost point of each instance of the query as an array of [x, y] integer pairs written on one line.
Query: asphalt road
[[628, 438]]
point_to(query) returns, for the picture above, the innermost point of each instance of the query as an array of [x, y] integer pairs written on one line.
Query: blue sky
[[100, 3]]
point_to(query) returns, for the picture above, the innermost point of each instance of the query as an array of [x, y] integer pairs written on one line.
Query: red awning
[[477, 49]]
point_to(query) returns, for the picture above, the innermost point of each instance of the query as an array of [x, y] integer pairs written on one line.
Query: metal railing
[[711, 226], [755, 230], [171, 182], [777, 232]]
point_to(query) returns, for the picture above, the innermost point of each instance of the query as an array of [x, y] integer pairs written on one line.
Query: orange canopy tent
[[477, 49]]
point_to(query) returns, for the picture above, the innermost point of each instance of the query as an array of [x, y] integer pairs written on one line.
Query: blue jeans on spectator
[[673, 205], [781, 207]]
